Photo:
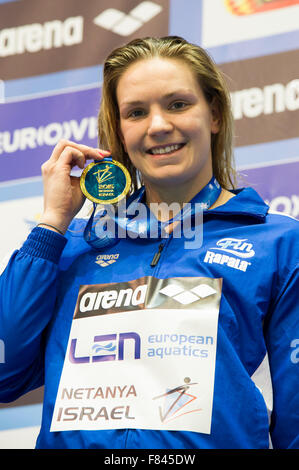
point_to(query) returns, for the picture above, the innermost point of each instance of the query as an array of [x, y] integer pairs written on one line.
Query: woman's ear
[[215, 116]]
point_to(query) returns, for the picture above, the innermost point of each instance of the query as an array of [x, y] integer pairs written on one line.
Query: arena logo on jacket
[[241, 250], [141, 354], [106, 260]]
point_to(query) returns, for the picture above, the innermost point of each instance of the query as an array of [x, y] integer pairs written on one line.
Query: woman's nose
[[159, 123]]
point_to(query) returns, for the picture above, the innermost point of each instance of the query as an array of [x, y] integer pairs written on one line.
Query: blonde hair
[[212, 84]]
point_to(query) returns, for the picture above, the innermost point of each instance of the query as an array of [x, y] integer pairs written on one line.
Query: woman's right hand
[[63, 197]]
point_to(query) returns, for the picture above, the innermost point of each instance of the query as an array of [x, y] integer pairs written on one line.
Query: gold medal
[[105, 182]]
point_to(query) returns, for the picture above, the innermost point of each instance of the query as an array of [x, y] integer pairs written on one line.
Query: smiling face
[[166, 125]]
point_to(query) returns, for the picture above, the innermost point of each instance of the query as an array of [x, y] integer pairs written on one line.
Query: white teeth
[[168, 149]]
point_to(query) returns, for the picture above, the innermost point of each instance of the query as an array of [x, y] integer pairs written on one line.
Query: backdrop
[[51, 55]]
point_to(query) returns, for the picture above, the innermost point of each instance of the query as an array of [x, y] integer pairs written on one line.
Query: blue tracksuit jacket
[[255, 401]]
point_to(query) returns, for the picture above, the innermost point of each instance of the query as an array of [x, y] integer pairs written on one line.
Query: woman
[[147, 342]]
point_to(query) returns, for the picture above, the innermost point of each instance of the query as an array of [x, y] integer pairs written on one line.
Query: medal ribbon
[[98, 232]]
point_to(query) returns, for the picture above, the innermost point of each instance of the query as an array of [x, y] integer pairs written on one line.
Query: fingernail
[[104, 153]]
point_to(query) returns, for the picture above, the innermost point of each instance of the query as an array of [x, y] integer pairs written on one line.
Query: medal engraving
[[105, 182]]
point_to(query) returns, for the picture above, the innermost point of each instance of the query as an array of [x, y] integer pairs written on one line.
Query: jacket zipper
[[157, 255]]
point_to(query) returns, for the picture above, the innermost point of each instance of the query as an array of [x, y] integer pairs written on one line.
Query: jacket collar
[[246, 202]]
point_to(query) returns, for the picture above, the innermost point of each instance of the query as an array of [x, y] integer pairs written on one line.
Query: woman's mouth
[[165, 149]]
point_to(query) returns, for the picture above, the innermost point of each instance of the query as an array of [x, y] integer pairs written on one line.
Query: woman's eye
[[136, 113], [178, 105]]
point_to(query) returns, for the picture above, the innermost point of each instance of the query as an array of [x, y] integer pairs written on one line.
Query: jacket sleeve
[[27, 300], [282, 336]]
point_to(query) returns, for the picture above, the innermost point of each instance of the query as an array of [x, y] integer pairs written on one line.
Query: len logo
[[113, 339]]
